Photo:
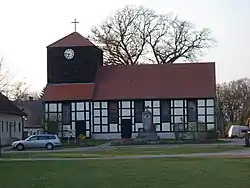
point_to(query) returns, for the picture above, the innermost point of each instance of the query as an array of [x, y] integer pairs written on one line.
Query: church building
[[83, 96]]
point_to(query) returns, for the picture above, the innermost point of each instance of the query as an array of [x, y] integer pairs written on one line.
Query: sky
[[28, 26]]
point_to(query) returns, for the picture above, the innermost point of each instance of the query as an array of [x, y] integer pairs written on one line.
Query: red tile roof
[[150, 81], [73, 39], [62, 92], [8, 107], [186, 80]]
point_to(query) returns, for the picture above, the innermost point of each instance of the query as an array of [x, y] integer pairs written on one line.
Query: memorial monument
[[148, 132]]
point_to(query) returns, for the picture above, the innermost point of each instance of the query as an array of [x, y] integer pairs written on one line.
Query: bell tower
[[73, 59]]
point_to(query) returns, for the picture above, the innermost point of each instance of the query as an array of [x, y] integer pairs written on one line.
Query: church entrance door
[[80, 128], [126, 128]]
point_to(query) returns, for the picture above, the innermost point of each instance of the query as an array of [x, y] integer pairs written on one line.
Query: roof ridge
[[76, 38]]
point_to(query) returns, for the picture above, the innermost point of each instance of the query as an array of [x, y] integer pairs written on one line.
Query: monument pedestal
[[148, 132], [148, 136]]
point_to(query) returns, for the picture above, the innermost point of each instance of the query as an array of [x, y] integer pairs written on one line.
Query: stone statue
[[148, 132], [147, 121]]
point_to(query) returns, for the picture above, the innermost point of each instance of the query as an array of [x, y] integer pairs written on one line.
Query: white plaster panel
[[96, 113], [119, 105], [87, 134], [87, 106], [80, 115], [210, 119], [156, 119], [210, 110], [138, 126], [210, 102], [148, 103], [96, 120], [210, 127], [133, 112], [105, 120], [178, 103], [165, 126], [201, 110], [172, 111], [59, 107], [80, 106], [156, 103], [52, 107], [87, 125], [201, 102], [172, 118], [158, 128], [202, 119], [46, 107], [186, 119], [125, 112], [171, 103], [133, 120], [132, 104], [73, 126], [73, 117], [104, 105], [125, 104], [113, 128], [87, 115], [104, 129], [96, 104], [97, 128], [178, 111], [66, 127], [119, 128], [185, 103], [156, 111], [178, 119], [104, 112]]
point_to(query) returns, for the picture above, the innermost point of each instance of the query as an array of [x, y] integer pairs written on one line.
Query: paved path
[[229, 154], [107, 146]]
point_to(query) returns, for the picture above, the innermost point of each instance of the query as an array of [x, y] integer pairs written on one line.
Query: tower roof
[[73, 39]]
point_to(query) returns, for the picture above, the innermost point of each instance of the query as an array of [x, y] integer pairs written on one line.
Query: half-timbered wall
[[166, 113], [66, 114], [103, 118]]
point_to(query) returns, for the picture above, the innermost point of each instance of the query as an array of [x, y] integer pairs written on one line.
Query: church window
[[165, 111], [139, 108], [113, 111]]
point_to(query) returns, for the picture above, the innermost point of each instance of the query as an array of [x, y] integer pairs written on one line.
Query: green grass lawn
[[124, 151], [83, 143], [152, 173]]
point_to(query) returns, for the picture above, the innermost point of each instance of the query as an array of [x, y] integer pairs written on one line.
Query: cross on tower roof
[[75, 22]]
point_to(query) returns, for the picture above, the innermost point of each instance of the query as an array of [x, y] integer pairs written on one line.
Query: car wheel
[[49, 146], [20, 147]]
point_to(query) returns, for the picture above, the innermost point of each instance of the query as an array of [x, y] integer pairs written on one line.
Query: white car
[[237, 131], [48, 141]]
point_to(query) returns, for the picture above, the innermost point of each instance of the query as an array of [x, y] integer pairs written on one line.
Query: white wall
[[15, 133]]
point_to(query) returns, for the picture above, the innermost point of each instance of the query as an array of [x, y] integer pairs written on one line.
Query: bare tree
[[233, 100], [4, 80], [178, 39], [19, 91], [123, 37], [134, 34], [42, 93]]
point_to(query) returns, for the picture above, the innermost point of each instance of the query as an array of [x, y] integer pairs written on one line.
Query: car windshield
[[30, 138]]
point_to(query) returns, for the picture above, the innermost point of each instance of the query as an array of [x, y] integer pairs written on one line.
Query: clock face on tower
[[69, 54]]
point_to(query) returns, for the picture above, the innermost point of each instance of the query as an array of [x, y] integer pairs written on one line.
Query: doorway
[[126, 128], [80, 128]]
